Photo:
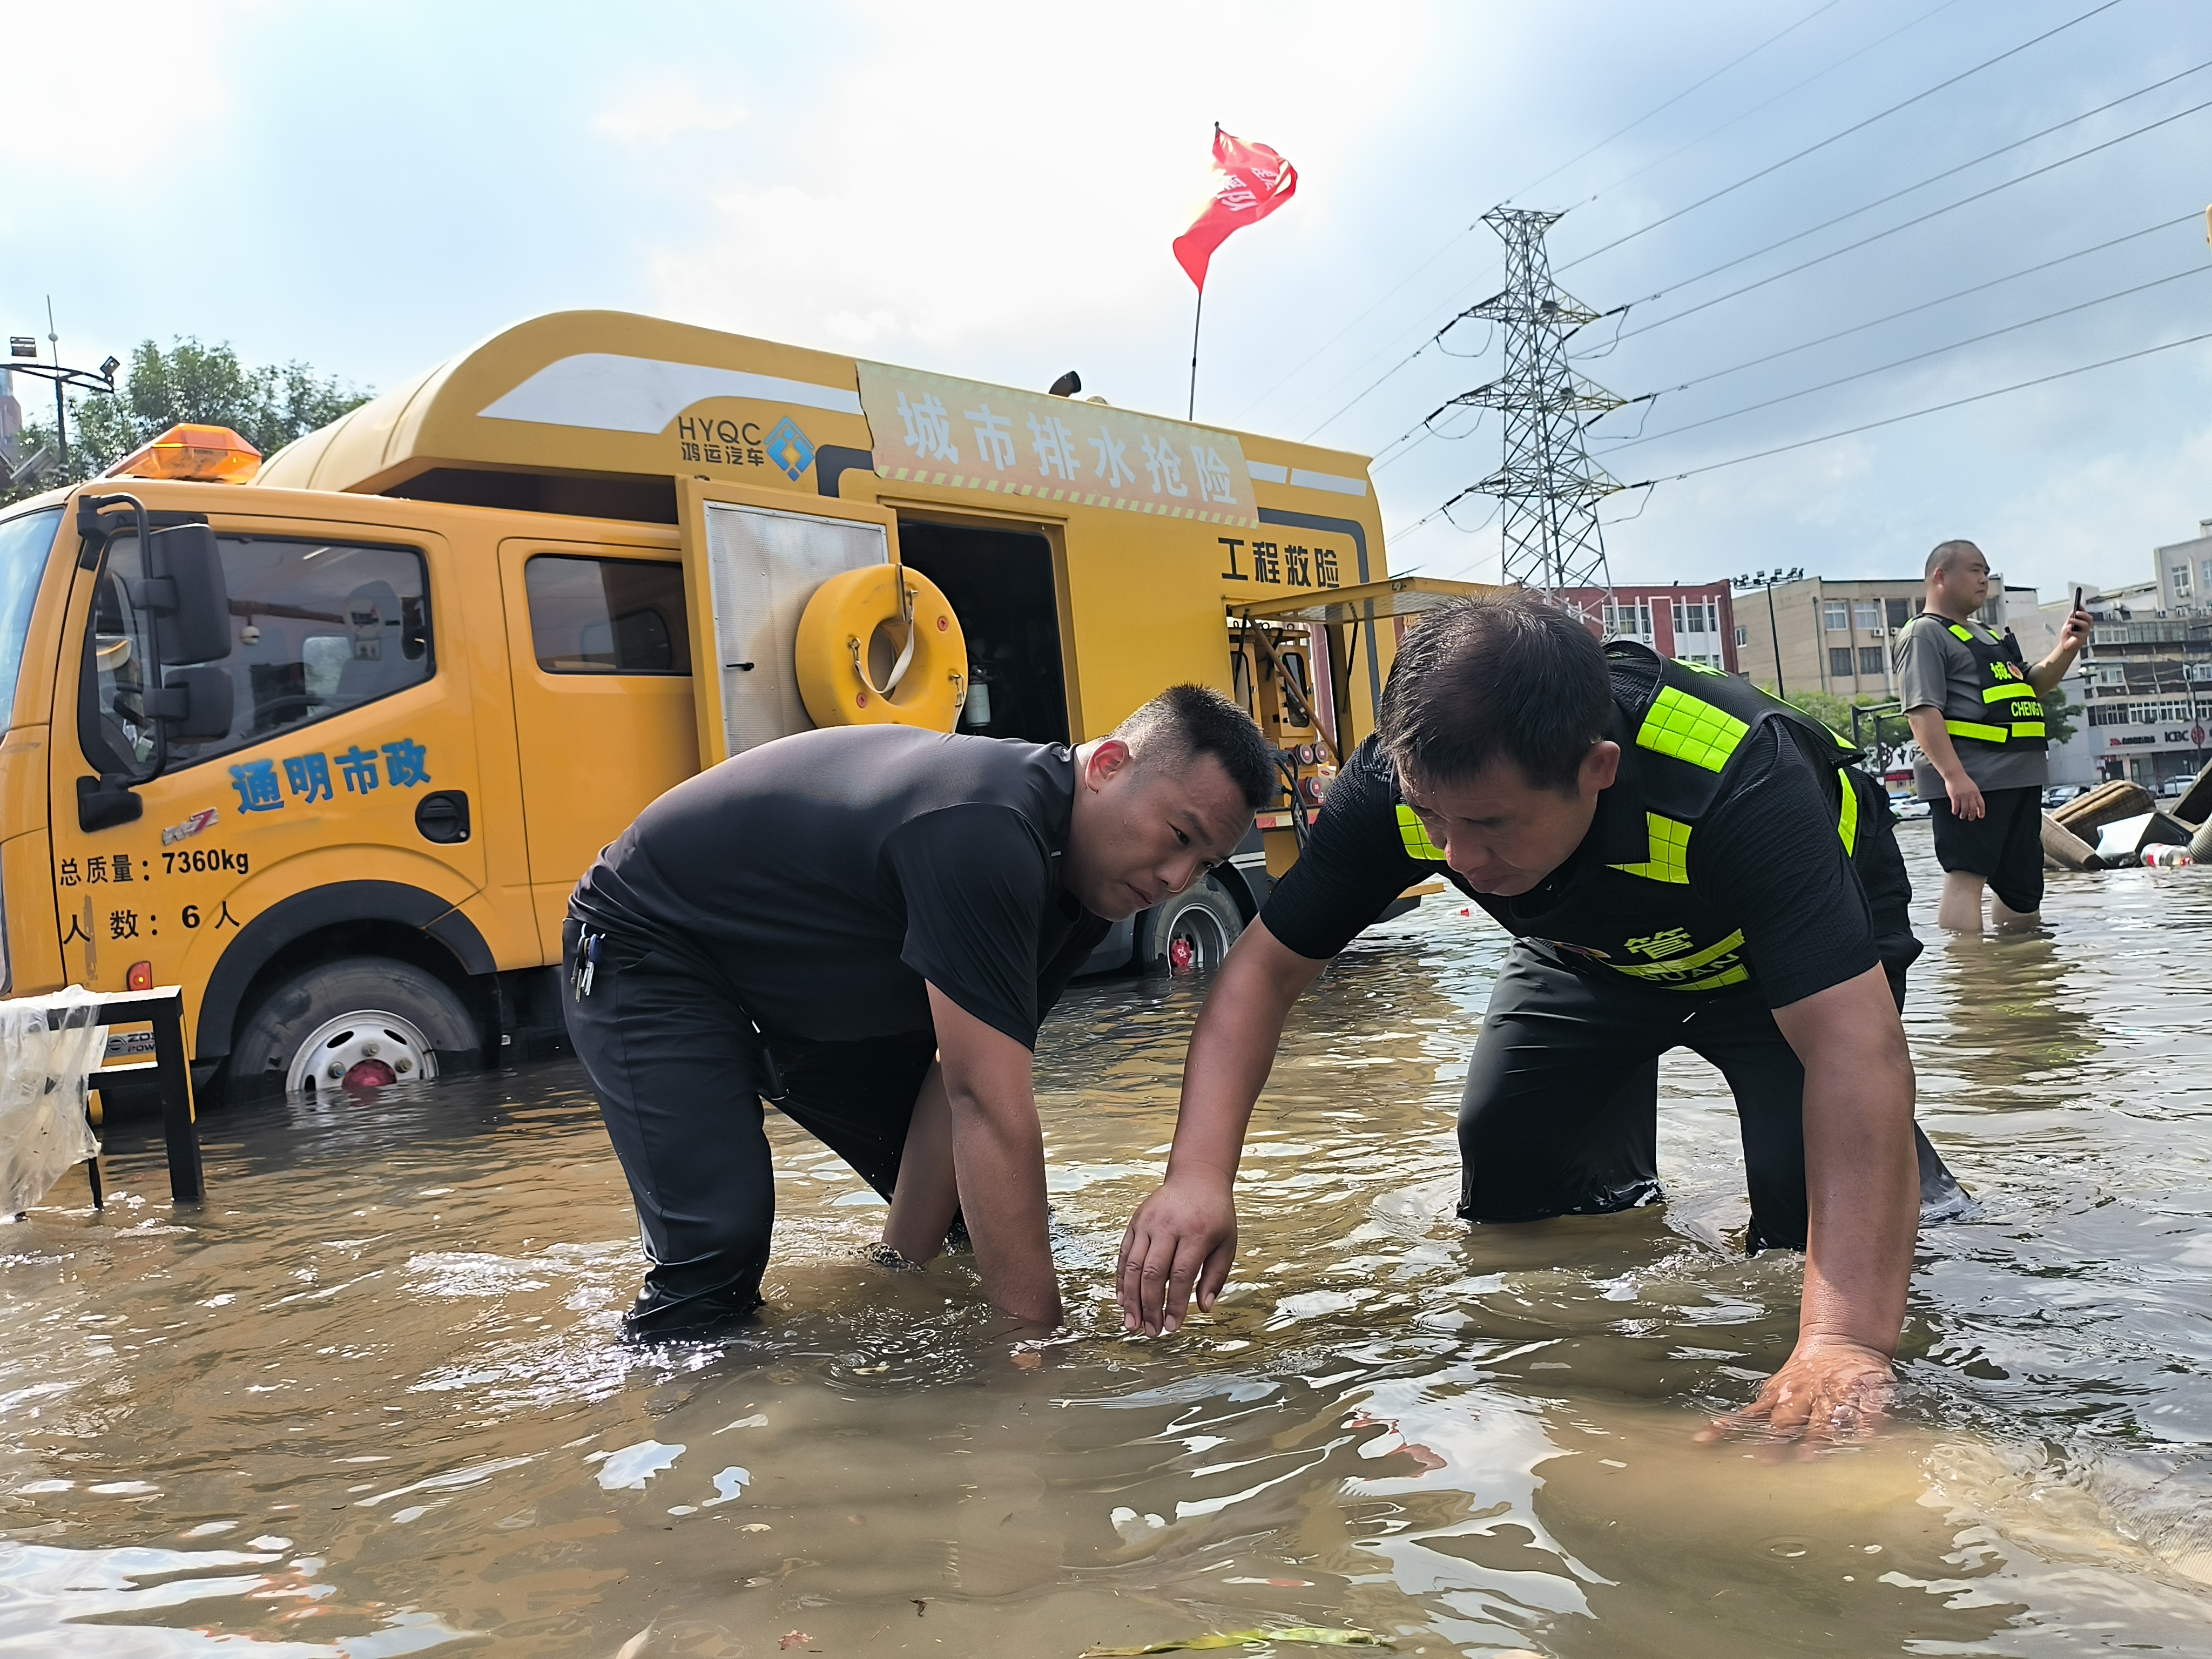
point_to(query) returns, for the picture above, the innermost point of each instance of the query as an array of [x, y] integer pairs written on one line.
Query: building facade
[[1696, 623], [1840, 637], [2147, 671]]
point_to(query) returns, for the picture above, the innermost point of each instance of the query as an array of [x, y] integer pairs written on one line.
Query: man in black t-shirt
[[1685, 862], [866, 925]]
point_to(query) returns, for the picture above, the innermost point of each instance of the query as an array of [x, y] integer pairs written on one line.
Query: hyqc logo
[[787, 447]]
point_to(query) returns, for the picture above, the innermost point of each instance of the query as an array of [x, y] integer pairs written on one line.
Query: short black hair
[[1501, 674], [1947, 553], [1186, 720]]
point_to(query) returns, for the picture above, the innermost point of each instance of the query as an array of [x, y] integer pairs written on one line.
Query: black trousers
[[1560, 1112], [678, 1075]]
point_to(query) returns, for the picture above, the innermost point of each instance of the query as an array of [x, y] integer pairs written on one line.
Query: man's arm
[[1183, 1237], [1935, 743], [1862, 1192], [998, 1155]]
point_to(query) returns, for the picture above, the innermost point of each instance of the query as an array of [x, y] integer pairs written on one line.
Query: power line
[[1657, 109], [2199, 269], [1932, 409], [1788, 91], [1458, 236], [1926, 304], [1922, 219], [1933, 178], [1837, 137]]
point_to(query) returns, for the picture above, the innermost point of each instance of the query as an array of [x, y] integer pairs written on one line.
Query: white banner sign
[[932, 428]]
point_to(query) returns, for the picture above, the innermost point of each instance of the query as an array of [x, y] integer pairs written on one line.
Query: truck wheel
[[359, 1024], [1192, 931]]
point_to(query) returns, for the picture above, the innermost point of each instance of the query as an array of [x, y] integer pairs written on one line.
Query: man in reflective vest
[[1685, 862], [1977, 712]]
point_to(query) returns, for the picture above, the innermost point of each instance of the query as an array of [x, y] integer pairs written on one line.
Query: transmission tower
[[1548, 486]]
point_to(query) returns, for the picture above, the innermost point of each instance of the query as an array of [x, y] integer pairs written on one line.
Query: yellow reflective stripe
[[1847, 823], [1970, 729], [1670, 852], [1965, 634], [1667, 974], [2028, 728], [2008, 692], [1687, 729], [1416, 839]]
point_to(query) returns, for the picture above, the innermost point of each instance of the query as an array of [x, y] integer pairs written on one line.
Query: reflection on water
[[367, 1401]]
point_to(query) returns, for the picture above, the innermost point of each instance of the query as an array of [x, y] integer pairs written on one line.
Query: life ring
[[928, 678]]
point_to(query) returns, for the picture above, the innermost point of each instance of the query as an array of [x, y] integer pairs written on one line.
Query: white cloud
[[660, 111]]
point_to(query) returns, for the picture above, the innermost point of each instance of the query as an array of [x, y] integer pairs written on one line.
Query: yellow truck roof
[[607, 394]]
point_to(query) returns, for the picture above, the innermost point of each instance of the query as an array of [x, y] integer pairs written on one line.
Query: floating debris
[[1311, 1634]]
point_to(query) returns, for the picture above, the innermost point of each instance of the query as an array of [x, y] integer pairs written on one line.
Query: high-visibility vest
[[2011, 711], [1637, 919]]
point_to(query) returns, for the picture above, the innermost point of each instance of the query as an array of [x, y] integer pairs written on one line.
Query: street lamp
[[23, 346], [1770, 581]]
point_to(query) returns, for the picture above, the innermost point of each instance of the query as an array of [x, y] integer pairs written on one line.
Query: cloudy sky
[[990, 190]]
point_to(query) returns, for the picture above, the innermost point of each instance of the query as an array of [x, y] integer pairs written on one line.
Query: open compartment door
[[752, 558]]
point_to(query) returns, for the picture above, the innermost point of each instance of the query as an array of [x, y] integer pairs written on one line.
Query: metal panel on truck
[[752, 564]]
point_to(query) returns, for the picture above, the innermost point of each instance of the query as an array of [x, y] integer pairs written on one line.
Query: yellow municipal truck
[[327, 740]]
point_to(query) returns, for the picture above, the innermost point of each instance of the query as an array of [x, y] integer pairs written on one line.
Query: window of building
[[2204, 572], [607, 615], [1839, 662], [1743, 637], [1836, 616], [2108, 714], [1901, 611], [2180, 575], [1632, 619], [317, 628], [1867, 613], [1870, 662], [1697, 617]]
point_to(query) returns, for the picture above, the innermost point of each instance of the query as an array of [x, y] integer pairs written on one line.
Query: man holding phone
[[1976, 708]]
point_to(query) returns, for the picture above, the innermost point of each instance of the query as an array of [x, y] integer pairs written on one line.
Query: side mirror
[[185, 588], [194, 702]]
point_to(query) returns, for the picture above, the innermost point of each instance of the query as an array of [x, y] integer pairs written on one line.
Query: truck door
[[751, 560], [351, 755], [602, 654]]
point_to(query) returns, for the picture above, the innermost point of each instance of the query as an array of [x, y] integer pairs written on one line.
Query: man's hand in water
[[1182, 1240], [1831, 1389]]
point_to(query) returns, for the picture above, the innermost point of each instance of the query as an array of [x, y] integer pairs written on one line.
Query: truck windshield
[[25, 541]]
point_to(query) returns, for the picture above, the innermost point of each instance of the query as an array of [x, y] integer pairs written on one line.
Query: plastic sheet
[[47, 1044]]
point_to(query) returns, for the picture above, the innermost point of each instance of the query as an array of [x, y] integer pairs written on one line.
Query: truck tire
[[1192, 931], [357, 1024]]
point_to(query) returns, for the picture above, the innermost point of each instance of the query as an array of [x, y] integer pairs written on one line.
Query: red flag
[[1250, 182]]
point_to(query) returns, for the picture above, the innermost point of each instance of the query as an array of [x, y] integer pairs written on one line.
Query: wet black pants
[[678, 1072], [1560, 1112]]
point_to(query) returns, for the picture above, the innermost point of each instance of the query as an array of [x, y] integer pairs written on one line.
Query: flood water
[[369, 1400]]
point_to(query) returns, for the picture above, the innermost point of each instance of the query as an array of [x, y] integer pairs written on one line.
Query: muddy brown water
[[368, 1399]]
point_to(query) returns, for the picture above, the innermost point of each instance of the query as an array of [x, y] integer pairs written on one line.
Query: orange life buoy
[[840, 680]]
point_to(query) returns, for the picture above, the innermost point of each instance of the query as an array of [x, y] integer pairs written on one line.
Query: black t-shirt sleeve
[[1770, 853], [977, 881], [1354, 863]]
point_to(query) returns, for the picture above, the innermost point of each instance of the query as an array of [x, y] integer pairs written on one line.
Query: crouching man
[[865, 925], [1685, 862]]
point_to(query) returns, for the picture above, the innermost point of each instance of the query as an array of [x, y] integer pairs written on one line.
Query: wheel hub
[[368, 1048]]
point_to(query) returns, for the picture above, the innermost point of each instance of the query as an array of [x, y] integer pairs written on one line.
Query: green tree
[[1884, 735], [268, 406], [2058, 721]]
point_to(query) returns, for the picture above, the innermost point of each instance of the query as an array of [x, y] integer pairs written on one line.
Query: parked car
[[1909, 806], [2059, 793], [2175, 788]]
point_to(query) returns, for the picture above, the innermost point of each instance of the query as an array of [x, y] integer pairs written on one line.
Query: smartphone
[[2078, 598]]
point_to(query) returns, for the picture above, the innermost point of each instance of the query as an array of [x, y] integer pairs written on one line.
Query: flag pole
[[1191, 413]]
